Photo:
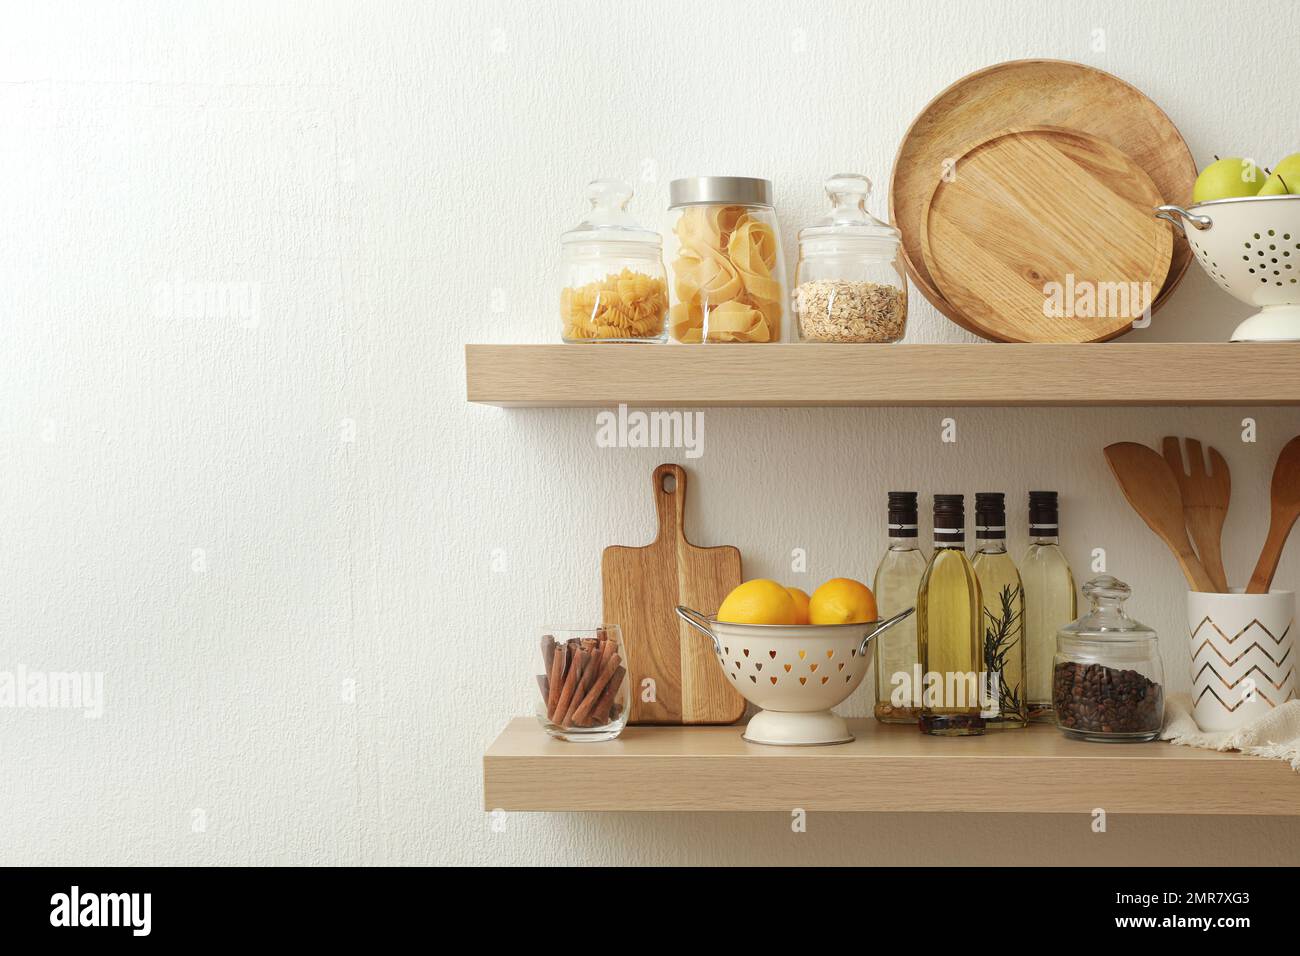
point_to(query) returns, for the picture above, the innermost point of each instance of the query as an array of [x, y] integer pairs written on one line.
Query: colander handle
[[882, 626], [701, 623], [1176, 215]]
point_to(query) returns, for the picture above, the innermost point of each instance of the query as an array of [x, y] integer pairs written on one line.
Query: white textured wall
[[381, 172]]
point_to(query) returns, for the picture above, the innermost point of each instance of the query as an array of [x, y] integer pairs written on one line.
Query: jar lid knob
[[1107, 588], [609, 194], [608, 219], [848, 189]]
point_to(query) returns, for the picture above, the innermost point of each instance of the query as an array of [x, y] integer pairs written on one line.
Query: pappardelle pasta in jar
[[728, 272], [615, 286]]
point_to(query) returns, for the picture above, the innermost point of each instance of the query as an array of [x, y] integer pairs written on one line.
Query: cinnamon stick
[[559, 659], [585, 677], [571, 679], [584, 709], [601, 711]]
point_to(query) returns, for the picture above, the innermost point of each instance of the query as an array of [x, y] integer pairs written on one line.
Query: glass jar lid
[[1106, 622], [609, 220], [848, 218]]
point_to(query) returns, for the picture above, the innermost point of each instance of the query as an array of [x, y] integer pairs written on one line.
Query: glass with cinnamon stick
[[583, 684]]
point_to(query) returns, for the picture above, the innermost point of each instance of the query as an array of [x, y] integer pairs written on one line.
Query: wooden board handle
[[671, 505]]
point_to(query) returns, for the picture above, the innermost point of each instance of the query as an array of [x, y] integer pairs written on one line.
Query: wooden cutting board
[[643, 586], [1024, 93], [1045, 234]]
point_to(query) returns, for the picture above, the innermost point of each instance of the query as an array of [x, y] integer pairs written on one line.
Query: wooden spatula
[[1284, 507], [1205, 502], [1150, 487]]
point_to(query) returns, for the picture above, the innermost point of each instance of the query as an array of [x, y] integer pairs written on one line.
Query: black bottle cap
[[902, 514], [1043, 513], [990, 515], [949, 518]]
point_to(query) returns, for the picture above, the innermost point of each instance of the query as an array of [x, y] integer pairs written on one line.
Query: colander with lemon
[[794, 656]]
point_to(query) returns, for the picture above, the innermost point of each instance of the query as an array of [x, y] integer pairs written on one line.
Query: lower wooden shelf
[[1035, 770]]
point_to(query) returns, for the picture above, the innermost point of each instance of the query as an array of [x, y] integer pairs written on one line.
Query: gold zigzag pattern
[[1262, 673], [1254, 623], [1210, 690], [1206, 643]]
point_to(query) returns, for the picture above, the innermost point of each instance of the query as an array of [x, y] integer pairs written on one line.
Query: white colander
[[795, 673], [1251, 247]]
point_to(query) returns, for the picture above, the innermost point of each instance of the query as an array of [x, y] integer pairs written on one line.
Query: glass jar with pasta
[[615, 285], [728, 272], [849, 285]]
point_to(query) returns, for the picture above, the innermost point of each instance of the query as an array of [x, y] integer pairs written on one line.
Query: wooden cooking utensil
[[1284, 508], [1032, 92], [1041, 205], [642, 588], [1205, 502], [1150, 487]]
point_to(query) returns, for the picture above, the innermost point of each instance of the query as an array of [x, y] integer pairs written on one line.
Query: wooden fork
[[1205, 502]]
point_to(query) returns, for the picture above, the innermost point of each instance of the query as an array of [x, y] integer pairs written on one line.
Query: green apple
[[1285, 178], [1228, 178]]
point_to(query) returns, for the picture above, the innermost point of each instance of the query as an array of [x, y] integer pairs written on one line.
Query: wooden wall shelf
[[885, 769], [1110, 373]]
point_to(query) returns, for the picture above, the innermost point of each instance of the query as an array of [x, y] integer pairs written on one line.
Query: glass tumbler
[[583, 683]]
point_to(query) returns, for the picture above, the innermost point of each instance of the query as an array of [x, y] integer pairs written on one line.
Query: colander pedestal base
[[785, 729], [1273, 323]]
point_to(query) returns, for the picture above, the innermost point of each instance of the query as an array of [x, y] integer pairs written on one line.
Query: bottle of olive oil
[[1050, 602], [950, 637], [898, 578], [1004, 616]]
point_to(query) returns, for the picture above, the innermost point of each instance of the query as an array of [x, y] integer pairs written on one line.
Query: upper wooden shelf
[[1036, 770], [1108, 373]]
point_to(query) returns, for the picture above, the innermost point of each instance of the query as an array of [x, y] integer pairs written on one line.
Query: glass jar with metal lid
[[728, 271], [1107, 679], [850, 285], [615, 285]]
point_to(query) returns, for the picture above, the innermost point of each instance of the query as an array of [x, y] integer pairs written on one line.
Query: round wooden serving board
[[1027, 93], [1030, 207]]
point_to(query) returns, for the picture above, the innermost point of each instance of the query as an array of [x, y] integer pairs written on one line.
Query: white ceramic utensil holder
[[1243, 659]]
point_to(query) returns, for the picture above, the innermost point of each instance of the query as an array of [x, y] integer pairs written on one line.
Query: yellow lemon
[[800, 605], [842, 601], [759, 601]]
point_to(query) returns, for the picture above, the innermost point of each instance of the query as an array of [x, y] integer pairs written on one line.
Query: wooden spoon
[[1285, 506], [1150, 487], [1205, 502]]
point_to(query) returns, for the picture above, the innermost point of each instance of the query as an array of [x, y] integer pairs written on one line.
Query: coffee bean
[[1098, 699]]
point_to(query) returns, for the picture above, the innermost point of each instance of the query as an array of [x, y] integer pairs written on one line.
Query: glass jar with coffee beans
[[1107, 679]]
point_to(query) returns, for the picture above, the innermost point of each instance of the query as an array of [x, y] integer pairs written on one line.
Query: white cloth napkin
[[1276, 734]]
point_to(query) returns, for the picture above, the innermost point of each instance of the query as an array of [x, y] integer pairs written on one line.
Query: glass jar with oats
[[850, 285], [728, 282], [615, 285]]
